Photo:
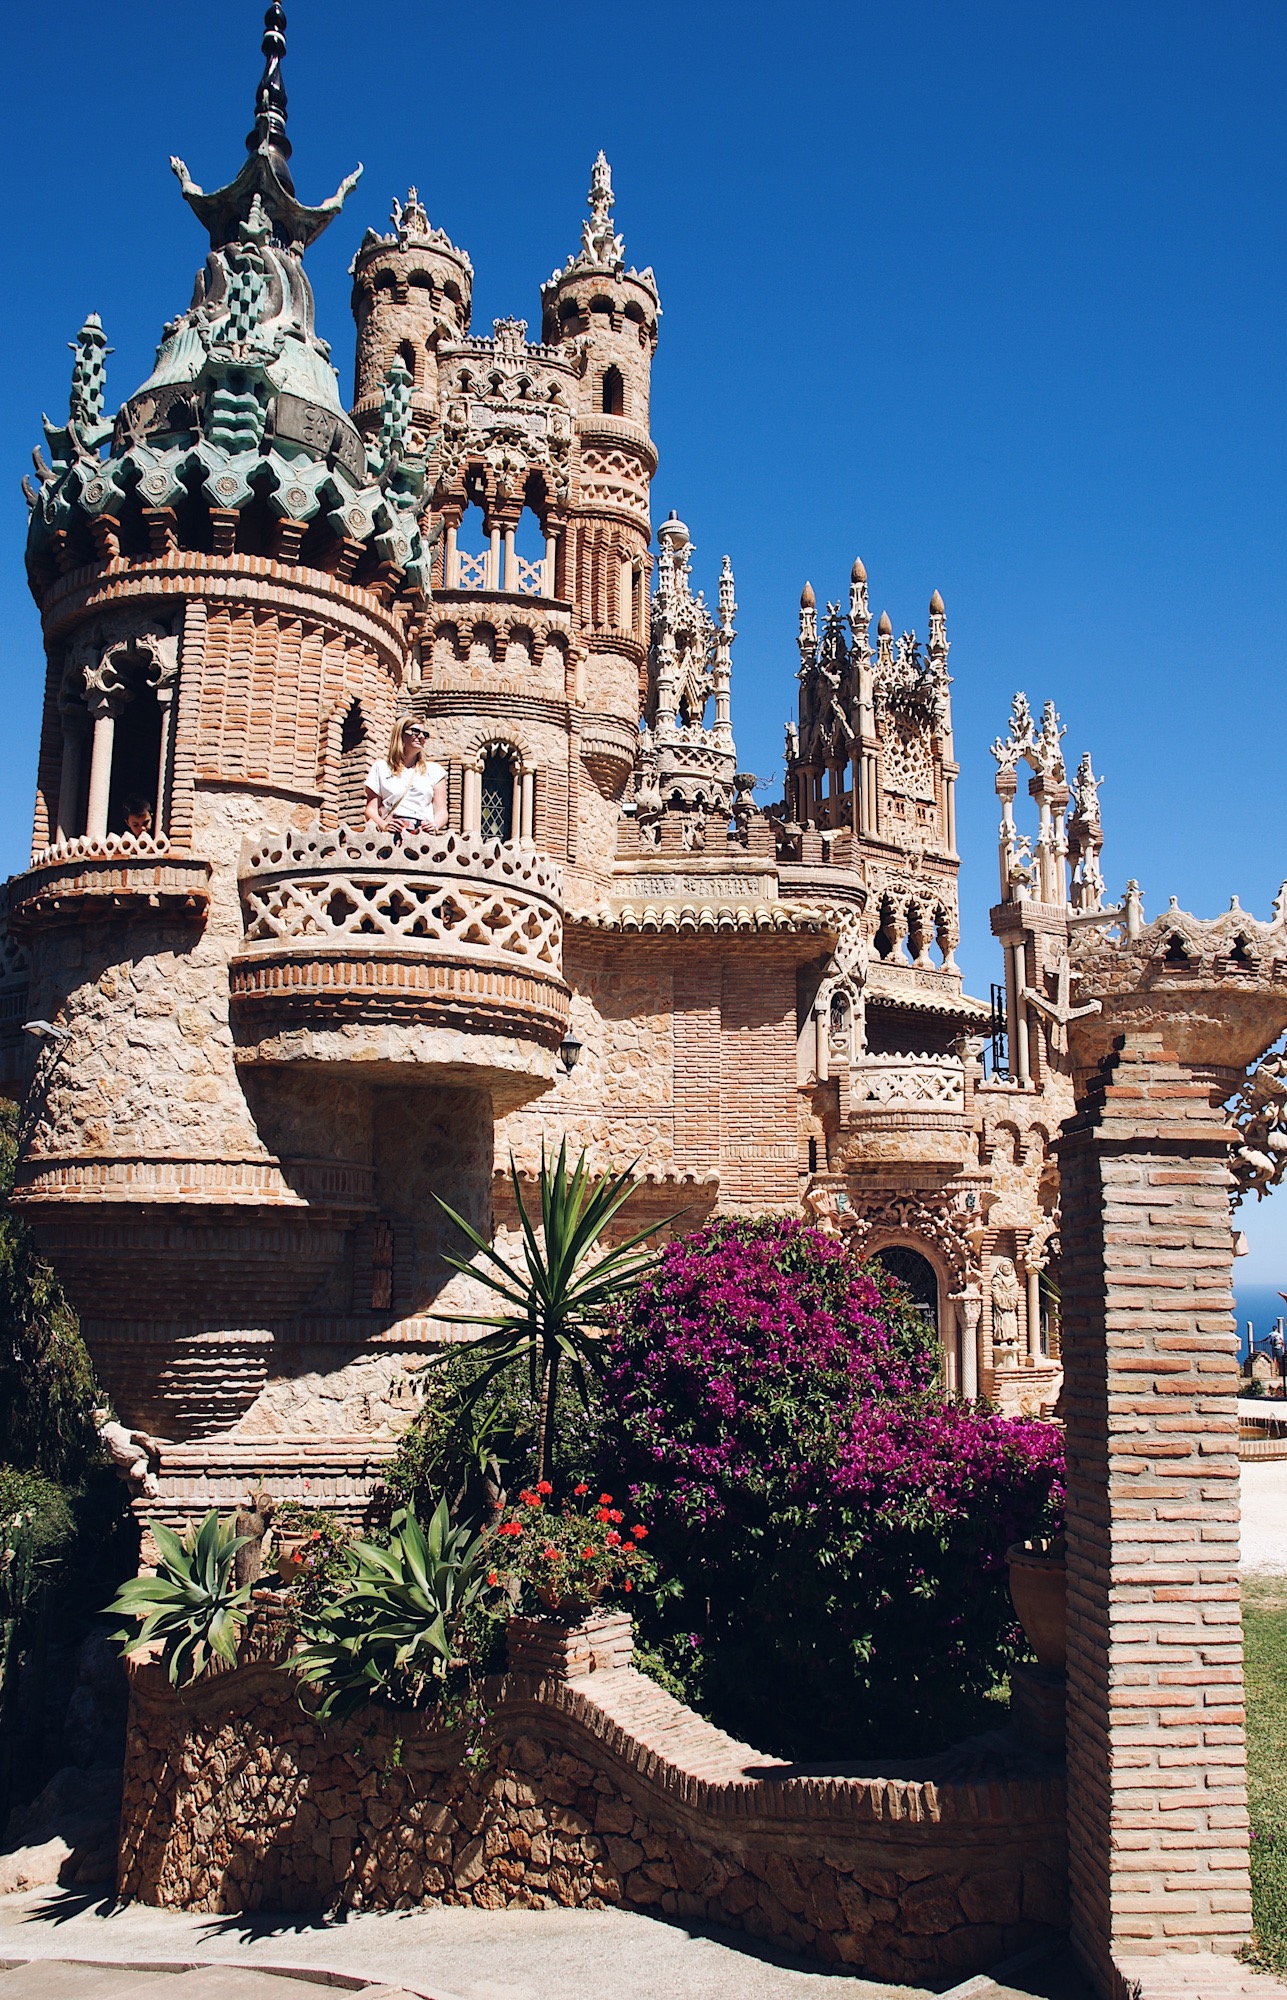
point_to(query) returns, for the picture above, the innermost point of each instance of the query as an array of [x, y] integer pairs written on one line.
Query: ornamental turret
[[411, 292]]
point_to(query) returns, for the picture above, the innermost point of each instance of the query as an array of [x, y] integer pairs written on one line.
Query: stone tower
[[231, 577]]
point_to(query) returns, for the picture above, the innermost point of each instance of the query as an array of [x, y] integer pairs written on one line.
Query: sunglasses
[[419, 734]]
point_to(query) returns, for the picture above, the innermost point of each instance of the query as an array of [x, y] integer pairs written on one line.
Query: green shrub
[[476, 1442], [47, 1387], [394, 1625], [193, 1604]]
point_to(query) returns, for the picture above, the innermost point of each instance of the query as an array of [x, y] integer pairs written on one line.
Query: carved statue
[[1261, 1117], [1005, 1309], [133, 1453], [254, 1520]]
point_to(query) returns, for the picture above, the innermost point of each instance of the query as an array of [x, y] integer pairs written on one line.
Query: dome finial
[[269, 134]]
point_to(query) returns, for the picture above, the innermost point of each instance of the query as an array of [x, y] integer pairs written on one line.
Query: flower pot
[[289, 1563], [1039, 1594], [568, 1605]]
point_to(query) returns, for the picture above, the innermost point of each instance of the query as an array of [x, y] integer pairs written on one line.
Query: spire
[[599, 243], [859, 611], [265, 172], [808, 638], [269, 133]]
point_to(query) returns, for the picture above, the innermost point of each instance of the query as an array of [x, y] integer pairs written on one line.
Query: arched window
[[409, 358], [614, 393], [917, 1274], [497, 817]]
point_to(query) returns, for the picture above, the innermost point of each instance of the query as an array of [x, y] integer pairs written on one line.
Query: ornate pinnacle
[[89, 374], [264, 171], [269, 133], [395, 414], [599, 243], [808, 625], [727, 606], [859, 611]]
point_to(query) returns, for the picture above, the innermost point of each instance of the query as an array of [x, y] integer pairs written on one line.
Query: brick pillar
[[1156, 1784]]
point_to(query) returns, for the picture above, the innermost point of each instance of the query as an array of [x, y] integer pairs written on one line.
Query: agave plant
[[389, 1633], [556, 1309], [193, 1604]]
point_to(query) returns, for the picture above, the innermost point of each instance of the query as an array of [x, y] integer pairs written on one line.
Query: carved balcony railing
[[121, 874], [904, 1111], [442, 931], [911, 1082]]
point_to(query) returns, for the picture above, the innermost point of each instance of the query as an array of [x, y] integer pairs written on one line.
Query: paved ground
[[443, 1954], [1264, 1515]]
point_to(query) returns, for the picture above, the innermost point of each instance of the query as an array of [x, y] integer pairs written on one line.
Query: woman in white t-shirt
[[405, 793]]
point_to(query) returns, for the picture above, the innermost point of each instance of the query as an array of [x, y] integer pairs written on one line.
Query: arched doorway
[[917, 1274]]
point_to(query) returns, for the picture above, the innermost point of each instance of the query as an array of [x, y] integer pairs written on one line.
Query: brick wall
[[1157, 1808]]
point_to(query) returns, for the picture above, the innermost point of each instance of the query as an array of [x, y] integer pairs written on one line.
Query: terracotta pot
[[1039, 1594], [288, 1557], [565, 1605]]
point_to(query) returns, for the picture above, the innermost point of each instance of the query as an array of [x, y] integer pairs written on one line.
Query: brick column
[[1156, 1794]]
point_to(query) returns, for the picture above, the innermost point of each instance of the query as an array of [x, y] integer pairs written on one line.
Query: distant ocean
[[1262, 1306]]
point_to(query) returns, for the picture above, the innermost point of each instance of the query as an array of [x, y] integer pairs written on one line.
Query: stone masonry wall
[[587, 1791]]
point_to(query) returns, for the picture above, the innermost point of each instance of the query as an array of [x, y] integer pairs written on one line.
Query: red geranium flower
[[587, 1555], [614, 1539], [582, 1488], [492, 1577], [616, 1515], [629, 1585], [550, 1553], [544, 1486], [605, 1499], [530, 1499], [601, 1514], [639, 1531], [510, 1528]]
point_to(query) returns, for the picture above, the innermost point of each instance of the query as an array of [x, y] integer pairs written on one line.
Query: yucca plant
[[389, 1631], [193, 1604], [559, 1305]]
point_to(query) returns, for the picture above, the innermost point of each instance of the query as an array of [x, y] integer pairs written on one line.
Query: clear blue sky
[[992, 294]]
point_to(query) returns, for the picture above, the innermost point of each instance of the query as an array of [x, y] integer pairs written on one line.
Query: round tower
[[411, 291], [604, 316], [228, 574]]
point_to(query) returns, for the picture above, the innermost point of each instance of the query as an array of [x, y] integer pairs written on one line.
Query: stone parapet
[[85, 881], [586, 1792]]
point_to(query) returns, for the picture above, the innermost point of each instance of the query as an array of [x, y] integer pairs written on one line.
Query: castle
[[265, 1035]]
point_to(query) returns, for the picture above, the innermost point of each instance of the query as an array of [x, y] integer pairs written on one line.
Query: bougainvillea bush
[[836, 1530]]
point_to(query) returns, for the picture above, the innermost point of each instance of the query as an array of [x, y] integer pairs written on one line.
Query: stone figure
[[1005, 1309], [133, 1453], [254, 1520]]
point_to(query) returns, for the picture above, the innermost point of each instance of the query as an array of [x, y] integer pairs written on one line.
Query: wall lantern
[[569, 1051]]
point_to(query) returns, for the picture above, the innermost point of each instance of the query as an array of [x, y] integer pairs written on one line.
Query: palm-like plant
[[193, 1604], [389, 1632], [557, 1308]]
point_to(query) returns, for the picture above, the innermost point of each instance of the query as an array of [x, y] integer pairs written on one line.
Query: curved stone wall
[[585, 1791]]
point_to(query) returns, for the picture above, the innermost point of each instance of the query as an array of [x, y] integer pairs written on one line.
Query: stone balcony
[[442, 952], [904, 1110], [86, 880]]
